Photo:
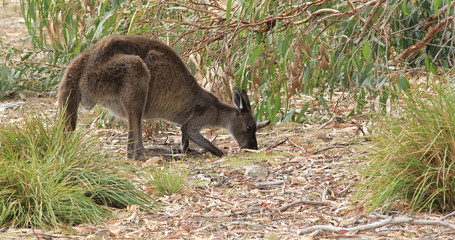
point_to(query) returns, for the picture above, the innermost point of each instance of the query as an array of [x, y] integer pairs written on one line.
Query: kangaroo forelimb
[[195, 136]]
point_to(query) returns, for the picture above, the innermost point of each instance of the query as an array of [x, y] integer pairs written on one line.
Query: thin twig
[[263, 124], [327, 123], [263, 184], [341, 145], [277, 144], [433, 18], [302, 201], [252, 209], [216, 198], [195, 9], [367, 23], [293, 143]]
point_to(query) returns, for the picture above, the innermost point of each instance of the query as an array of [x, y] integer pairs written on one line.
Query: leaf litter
[[306, 177]]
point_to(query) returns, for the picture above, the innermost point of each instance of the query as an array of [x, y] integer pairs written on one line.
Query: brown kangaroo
[[138, 78]]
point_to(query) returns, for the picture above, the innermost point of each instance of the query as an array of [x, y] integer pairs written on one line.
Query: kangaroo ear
[[238, 99], [241, 100], [246, 101]]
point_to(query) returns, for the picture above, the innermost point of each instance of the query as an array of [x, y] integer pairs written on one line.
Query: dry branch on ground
[[375, 225]]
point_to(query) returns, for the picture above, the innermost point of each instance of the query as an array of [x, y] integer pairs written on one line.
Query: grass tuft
[[168, 180], [49, 178], [414, 155]]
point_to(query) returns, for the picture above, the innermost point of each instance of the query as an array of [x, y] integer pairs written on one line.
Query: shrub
[[414, 155], [49, 178], [276, 49]]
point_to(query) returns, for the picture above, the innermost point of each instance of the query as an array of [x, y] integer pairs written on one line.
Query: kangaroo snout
[[253, 144], [247, 142]]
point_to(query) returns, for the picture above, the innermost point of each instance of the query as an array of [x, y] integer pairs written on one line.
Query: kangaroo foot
[[193, 152], [153, 152]]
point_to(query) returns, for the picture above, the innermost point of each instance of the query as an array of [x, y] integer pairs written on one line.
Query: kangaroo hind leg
[[134, 79], [134, 97]]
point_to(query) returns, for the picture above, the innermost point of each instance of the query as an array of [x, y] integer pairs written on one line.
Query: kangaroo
[[137, 78]]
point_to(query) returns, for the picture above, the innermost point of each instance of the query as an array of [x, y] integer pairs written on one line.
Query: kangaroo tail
[[69, 95]]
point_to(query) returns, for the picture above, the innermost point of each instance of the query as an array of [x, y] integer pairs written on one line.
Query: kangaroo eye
[[248, 128]]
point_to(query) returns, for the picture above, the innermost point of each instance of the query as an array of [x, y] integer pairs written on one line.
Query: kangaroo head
[[243, 125]]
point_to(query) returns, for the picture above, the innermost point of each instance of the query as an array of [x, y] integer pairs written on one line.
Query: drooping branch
[[293, 17], [435, 17], [194, 8], [217, 27], [413, 50], [367, 22]]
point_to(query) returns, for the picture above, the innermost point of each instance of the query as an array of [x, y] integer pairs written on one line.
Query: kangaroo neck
[[225, 115]]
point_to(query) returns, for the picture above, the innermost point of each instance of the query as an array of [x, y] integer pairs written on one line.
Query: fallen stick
[[448, 215], [263, 124], [326, 123], [382, 223]]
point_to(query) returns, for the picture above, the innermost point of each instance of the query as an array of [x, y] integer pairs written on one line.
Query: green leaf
[[323, 103], [192, 67], [77, 49], [430, 66], [436, 4], [228, 9], [21, 95], [255, 53], [403, 83], [289, 116], [366, 51], [100, 26], [404, 8], [260, 112], [302, 111], [277, 106], [361, 100]]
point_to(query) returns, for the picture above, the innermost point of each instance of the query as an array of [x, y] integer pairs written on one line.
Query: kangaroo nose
[[253, 144]]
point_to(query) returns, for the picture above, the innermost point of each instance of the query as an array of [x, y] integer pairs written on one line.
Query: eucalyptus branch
[[413, 50]]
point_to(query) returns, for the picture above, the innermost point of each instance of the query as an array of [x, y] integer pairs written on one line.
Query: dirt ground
[[304, 175]]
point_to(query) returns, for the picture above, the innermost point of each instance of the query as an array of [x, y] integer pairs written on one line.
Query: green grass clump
[[168, 180], [49, 178], [414, 155]]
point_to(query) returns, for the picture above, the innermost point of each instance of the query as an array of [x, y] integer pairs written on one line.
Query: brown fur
[[138, 78]]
